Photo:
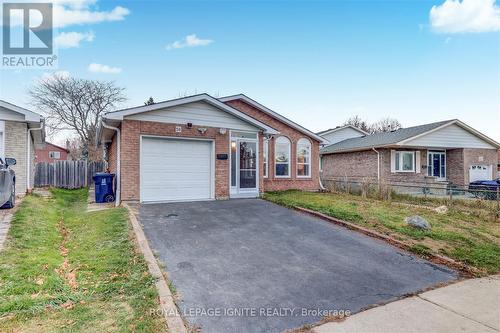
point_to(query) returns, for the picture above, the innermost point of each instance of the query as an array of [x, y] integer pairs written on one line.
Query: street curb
[[172, 316], [435, 258]]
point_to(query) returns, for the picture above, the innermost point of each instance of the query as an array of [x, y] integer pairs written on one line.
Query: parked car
[[7, 183], [486, 189]]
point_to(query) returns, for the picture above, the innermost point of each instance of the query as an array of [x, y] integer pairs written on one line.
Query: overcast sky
[[315, 62]]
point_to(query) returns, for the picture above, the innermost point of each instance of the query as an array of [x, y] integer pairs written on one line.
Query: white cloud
[[189, 41], [51, 75], [66, 40], [65, 16], [455, 16], [99, 68], [76, 12]]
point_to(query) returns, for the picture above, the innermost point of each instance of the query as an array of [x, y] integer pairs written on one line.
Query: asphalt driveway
[[252, 266]]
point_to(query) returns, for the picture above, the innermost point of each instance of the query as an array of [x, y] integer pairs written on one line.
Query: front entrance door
[[244, 170], [436, 165]]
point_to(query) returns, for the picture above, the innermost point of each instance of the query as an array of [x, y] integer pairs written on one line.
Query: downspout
[[319, 178], [28, 163], [118, 159], [378, 166]]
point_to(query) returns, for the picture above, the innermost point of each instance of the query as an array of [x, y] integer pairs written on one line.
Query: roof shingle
[[381, 139]]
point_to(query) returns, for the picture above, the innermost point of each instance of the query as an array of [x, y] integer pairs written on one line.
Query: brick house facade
[[456, 154], [135, 128], [363, 165], [49, 152], [271, 182], [15, 124]]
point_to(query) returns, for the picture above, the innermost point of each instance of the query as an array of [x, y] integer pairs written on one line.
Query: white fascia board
[[273, 114], [120, 114], [29, 116], [458, 123]]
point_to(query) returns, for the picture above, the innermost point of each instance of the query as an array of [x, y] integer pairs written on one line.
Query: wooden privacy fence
[[66, 174]]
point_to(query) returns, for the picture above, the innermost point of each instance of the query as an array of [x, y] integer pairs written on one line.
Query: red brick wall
[[363, 164], [455, 171], [42, 155], [480, 157], [112, 151], [355, 165], [130, 149], [272, 183]]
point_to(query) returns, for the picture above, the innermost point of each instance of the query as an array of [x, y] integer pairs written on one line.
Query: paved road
[[261, 260]]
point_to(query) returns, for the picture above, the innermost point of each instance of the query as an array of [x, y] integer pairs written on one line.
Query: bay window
[[303, 158], [282, 157]]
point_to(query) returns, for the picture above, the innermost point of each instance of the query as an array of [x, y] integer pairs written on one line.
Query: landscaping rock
[[418, 222], [441, 209]]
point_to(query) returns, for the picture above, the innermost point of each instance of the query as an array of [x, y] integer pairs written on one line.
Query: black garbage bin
[[104, 187]]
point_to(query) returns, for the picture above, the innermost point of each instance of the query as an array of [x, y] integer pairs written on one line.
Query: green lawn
[[65, 270], [466, 234]]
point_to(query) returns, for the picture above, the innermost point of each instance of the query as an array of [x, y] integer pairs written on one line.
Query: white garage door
[[479, 172], [175, 170]]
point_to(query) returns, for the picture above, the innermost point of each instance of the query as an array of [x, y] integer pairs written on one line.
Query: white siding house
[[20, 131], [338, 134]]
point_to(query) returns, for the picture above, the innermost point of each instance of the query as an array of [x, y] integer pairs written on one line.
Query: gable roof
[[338, 128], [29, 116], [273, 114], [398, 137], [120, 114], [54, 145]]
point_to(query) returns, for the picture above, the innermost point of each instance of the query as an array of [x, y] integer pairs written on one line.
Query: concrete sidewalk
[[468, 306]]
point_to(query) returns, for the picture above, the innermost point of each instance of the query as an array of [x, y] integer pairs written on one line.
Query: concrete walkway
[[5, 218], [468, 306]]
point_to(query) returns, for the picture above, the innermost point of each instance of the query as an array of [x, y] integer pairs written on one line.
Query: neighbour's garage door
[[175, 169], [479, 172]]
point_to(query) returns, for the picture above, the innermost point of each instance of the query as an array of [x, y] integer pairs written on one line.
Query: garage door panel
[[174, 169]]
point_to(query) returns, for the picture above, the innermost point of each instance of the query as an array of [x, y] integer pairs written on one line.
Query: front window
[[55, 155], [303, 158], [405, 161], [282, 157], [265, 157]]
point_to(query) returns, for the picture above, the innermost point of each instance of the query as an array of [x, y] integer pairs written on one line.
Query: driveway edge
[[170, 312], [5, 222], [435, 258]]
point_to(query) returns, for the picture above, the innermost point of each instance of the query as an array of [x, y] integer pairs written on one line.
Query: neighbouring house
[[448, 152], [49, 152], [20, 131], [498, 163], [200, 147], [340, 133]]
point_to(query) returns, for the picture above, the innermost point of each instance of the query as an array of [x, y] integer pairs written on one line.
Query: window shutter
[[393, 161], [417, 161]]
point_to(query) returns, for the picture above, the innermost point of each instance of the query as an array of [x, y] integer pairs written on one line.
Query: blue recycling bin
[[104, 187]]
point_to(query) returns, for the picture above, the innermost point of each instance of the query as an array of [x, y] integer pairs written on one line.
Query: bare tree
[[150, 101], [76, 105], [356, 121], [383, 125]]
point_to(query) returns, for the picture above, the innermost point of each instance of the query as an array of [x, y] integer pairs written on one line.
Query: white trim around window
[[400, 161], [282, 155], [55, 155], [265, 155], [304, 158]]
